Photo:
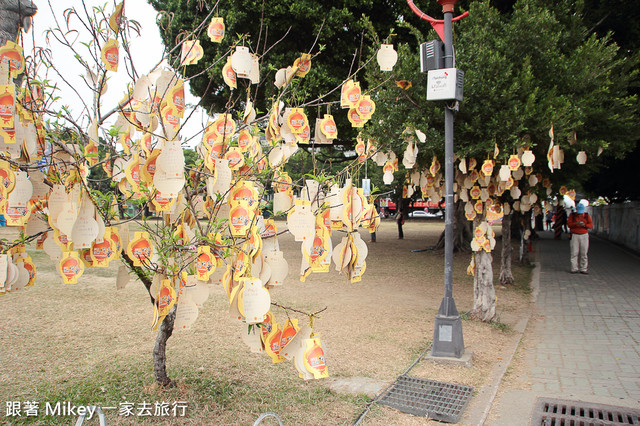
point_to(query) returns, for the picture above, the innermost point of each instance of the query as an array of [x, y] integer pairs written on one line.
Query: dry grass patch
[[88, 343]]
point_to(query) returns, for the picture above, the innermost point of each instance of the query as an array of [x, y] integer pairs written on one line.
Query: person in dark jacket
[[400, 222], [579, 224]]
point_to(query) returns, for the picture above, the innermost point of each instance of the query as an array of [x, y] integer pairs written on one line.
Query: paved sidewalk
[[583, 340]]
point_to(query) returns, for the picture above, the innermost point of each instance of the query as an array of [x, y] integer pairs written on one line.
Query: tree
[[330, 31], [15, 15], [528, 79], [55, 168]]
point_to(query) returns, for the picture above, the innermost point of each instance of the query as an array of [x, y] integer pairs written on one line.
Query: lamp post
[[447, 333]]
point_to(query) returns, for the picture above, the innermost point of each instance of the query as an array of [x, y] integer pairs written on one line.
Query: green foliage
[[282, 31], [190, 157], [524, 72]]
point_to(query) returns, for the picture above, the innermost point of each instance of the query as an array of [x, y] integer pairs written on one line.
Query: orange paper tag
[[110, 55]]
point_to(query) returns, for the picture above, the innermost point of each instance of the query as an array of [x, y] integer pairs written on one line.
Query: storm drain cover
[[421, 397], [558, 412]]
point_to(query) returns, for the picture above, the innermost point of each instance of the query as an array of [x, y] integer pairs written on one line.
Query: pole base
[[447, 337], [466, 360]]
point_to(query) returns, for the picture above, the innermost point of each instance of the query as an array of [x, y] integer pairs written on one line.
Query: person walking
[[579, 224], [400, 222], [548, 219]]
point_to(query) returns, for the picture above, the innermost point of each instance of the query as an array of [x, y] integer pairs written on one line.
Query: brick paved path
[[589, 340]]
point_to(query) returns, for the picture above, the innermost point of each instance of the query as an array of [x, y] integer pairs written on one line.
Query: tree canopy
[[529, 64], [332, 29], [525, 71]]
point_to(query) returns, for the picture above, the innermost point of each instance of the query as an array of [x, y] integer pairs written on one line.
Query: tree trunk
[[14, 15], [484, 295], [166, 329], [525, 238], [462, 232], [506, 276], [159, 350], [539, 222]]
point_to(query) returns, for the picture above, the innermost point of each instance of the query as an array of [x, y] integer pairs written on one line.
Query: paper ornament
[[205, 263], [71, 267], [355, 118], [235, 158], [300, 221], [350, 94], [514, 162], [191, 52], [110, 56], [21, 191], [328, 127], [365, 107], [140, 249], [251, 336], [11, 54], [229, 75], [115, 20], [240, 219], [254, 300], [222, 177], [297, 120], [314, 359], [186, 311], [487, 167], [241, 61], [7, 105], [165, 297], [303, 65], [216, 28], [518, 174], [528, 158], [386, 57], [272, 343], [581, 158], [85, 228]]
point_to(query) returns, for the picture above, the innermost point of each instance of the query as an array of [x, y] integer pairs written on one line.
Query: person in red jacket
[[579, 224]]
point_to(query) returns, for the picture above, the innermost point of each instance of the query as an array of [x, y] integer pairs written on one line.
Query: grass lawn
[[90, 344]]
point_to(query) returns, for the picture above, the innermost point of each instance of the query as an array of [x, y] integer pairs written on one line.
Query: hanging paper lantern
[[109, 55], [303, 64], [487, 167], [241, 61], [514, 162], [192, 52], [581, 157], [350, 94], [387, 57], [215, 31]]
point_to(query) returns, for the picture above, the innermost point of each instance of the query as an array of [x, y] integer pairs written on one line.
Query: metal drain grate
[[420, 397], [558, 412]]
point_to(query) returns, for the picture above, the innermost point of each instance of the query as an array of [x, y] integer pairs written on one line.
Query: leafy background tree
[[529, 65]]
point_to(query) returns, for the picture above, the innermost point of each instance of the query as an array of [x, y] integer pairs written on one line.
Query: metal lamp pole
[[447, 333]]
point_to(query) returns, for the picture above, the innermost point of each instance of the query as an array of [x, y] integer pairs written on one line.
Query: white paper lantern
[[581, 157], [528, 158], [242, 61], [504, 173], [387, 57]]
